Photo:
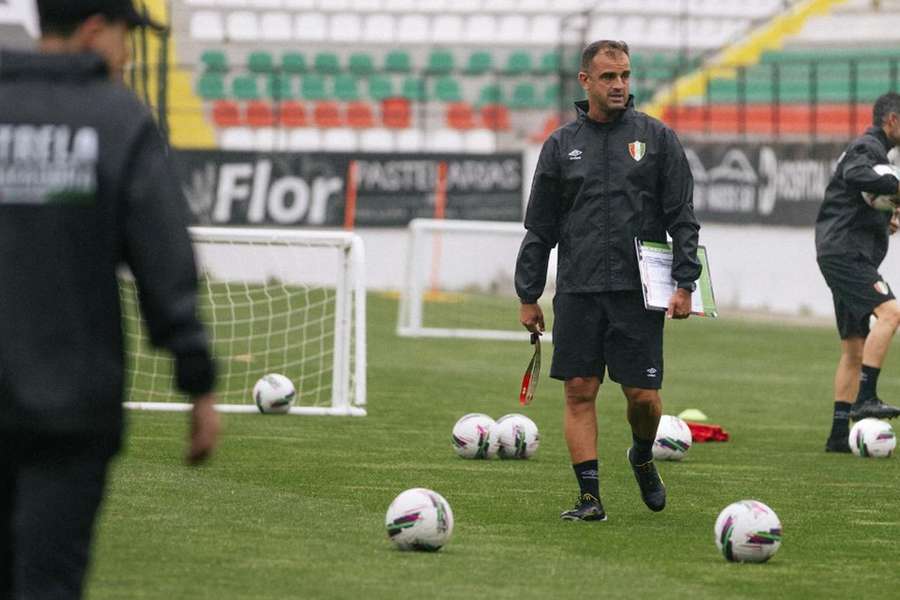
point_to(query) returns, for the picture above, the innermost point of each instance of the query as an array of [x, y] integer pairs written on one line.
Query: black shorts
[[857, 289], [609, 330]]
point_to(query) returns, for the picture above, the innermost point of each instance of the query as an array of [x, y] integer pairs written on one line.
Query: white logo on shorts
[[882, 288], [651, 372]]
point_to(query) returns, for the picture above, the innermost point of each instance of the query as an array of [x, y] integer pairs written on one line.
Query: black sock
[[840, 424], [641, 450], [588, 476], [868, 380]]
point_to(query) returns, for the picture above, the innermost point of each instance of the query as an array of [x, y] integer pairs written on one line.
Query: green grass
[[293, 507]]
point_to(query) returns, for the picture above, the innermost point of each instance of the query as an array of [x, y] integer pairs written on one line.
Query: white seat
[[304, 139], [236, 138], [378, 28], [544, 29], [603, 28], [409, 140], [413, 28], [200, 2], [339, 140], [264, 4], [445, 140], [276, 26], [269, 139], [345, 27], [232, 3], [512, 29], [466, 6], [434, 6], [447, 28], [480, 29], [298, 5], [365, 5], [376, 140], [310, 27], [243, 26], [480, 141], [400, 6], [207, 26]]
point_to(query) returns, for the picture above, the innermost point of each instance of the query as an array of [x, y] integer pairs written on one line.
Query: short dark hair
[[885, 105], [610, 47]]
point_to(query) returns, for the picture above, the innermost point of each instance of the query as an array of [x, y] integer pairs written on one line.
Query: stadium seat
[[447, 29], [276, 27], [327, 63], [245, 88], [269, 139], [311, 27], [480, 29], [207, 26], [376, 140], [226, 114], [242, 26], [495, 117], [447, 90], [414, 89], [305, 139], [379, 29], [339, 140], [544, 30], [479, 63], [292, 114], [380, 87], [359, 115], [236, 138], [259, 114], [214, 61], [312, 87], [460, 116], [409, 140], [518, 63], [397, 61], [524, 96], [445, 140], [440, 62], [480, 141], [490, 94], [549, 63], [211, 86], [396, 113], [326, 114], [361, 64], [345, 87], [260, 62], [345, 27], [293, 62], [512, 29], [551, 96], [279, 87], [412, 29]]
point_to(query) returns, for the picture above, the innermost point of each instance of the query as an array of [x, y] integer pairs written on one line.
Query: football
[[748, 531], [419, 519], [516, 436], [871, 437], [884, 202], [472, 436], [673, 439], [274, 394]]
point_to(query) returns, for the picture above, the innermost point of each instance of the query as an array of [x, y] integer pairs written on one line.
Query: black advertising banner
[[757, 183], [332, 190]]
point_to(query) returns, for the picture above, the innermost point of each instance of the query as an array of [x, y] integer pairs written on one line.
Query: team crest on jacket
[[637, 149]]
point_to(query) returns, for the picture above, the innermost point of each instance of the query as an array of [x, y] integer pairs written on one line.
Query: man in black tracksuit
[[611, 176], [851, 242], [85, 186]]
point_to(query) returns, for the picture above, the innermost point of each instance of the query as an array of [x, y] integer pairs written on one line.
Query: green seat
[[447, 90], [245, 88], [524, 96], [440, 62], [260, 62], [549, 63], [638, 60], [211, 86], [551, 96], [326, 63], [214, 61], [361, 64], [490, 94], [414, 89], [380, 87], [518, 63], [293, 62], [479, 63], [279, 87], [312, 87], [345, 87], [397, 61]]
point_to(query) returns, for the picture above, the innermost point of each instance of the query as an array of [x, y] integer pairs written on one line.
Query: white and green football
[[274, 393]]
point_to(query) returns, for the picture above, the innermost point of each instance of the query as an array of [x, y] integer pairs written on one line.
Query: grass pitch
[[293, 507]]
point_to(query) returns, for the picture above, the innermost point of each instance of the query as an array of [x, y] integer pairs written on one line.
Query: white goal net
[[459, 281], [274, 301]]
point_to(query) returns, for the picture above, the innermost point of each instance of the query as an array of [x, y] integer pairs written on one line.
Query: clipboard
[[657, 285]]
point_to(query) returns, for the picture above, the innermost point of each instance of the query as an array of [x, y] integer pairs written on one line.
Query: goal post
[[459, 280], [274, 300]]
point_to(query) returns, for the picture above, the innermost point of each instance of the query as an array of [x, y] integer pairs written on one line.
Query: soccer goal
[[459, 280], [275, 301]]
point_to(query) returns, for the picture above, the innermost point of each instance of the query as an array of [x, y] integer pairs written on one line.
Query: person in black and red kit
[[85, 187], [851, 242], [612, 175]]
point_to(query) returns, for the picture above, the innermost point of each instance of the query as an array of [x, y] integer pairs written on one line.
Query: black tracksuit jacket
[[85, 186], [593, 197], [846, 225]]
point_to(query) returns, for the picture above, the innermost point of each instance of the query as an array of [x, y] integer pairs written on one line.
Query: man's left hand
[[679, 305]]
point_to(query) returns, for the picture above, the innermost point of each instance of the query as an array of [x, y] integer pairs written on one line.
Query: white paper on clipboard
[[655, 264]]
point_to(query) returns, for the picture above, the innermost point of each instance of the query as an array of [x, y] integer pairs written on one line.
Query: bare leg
[[846, 377], [879, 340], [644, 410], [581, 418]]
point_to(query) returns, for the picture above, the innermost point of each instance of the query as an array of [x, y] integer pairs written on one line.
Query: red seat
[[395, 113], [326, 115], [293, 114], [359, 115], [459, 116], [495, 117], [226, 114], [259, 114]]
